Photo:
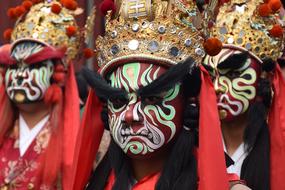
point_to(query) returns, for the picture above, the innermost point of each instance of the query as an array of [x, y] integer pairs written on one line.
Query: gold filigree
[[239, 23], [42, 25], [165, 31]]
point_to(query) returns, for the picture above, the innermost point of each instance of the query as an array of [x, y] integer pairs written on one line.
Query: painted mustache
[[234, 107], [143, 132]]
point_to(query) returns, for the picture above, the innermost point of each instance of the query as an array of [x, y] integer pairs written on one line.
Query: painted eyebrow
[[102, 88], [234, 61], [168, 79]]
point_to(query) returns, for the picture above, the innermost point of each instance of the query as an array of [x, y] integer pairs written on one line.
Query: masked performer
[[150, 79], [250, 91], [39, 109]]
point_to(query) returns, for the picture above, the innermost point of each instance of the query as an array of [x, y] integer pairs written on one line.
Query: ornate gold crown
[[49, 23], [157, 30], [250, 24]]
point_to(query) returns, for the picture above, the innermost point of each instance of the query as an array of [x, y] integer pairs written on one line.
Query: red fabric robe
[[21, 173], [147, 183]]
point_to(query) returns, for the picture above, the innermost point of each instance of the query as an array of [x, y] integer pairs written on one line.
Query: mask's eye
[[14, 66], [37, 65], [152, 100], [118, 102], [233, 74]]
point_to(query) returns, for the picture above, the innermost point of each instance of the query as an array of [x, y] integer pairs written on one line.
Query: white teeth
[[127, 132], [123, 132], [125, 138], [156, 140], [150, 136], [144, 132]]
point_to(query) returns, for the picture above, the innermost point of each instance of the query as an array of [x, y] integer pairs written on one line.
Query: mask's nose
[[132, 114]]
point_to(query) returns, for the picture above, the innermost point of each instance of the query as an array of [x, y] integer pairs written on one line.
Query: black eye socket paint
[[234, 61], [168, 80], [102, 88]]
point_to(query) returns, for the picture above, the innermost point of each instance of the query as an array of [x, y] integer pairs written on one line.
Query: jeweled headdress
[[251, 24], [158, 30], [49, 22]]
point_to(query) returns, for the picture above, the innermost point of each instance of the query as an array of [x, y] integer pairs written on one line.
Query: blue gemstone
[[153, 46], [161, 29], [174, 51], [115, 49]]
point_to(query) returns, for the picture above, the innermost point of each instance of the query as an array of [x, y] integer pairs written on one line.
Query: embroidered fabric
[[27, 135]]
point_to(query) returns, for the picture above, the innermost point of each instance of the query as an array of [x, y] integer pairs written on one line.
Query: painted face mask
[[235, 76], [26, 83], [142, 126]]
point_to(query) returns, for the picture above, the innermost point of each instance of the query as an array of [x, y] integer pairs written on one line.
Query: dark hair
[[179, 172], [255, 169]]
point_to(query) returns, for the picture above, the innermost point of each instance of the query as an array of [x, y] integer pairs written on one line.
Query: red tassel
[[58, 77], [107, 5], [213, 46], [20, 10], [276, 124], [69, 4], [59, 68], [276, 31], [36, 1], [7, 34], [56, 8], [5, 58], [88, 53], [53, 94], [92, 128], [27, 4], [71, 31], [11, 13], [275, 5], [211, 169], [264, 10]]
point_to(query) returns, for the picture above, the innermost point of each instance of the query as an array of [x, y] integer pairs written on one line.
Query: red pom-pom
[[59, 68], [69, 4], [213, 46], [71, 31], [53, 94], [58, 77], [276, 31], [55, 8], [20, 10], [27, 4], [36, 1], [264, 10], [11, 13], [7, 34], [88, 53], [275, 5], [107, 5]]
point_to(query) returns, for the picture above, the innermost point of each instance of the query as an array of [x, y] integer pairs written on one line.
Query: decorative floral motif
[[20, 172], [42, 140]]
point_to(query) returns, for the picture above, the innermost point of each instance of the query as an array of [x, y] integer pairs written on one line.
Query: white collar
[[27, 135], [238, 157], [238, 152]]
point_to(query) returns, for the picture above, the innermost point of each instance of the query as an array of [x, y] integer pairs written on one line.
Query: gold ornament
[[157, 30], [239, 23], [44, 26]]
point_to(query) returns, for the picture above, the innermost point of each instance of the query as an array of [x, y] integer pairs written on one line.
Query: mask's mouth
[[234, 107], [19, 96], [139, 131]]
